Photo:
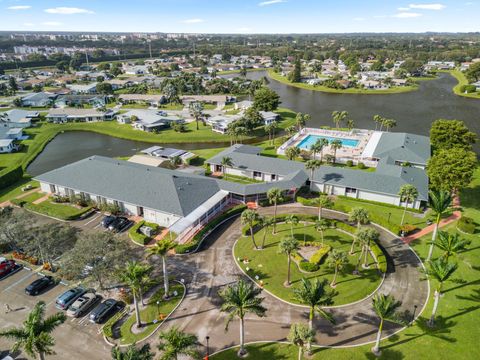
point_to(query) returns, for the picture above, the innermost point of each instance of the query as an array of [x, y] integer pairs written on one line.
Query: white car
[[83, 304]]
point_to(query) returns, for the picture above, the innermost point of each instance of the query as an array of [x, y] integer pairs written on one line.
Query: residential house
[[83, 89], [96, 100], [40, 99], [64, 115], [8, 139], [17, 118], [148, 120], [152, 100]]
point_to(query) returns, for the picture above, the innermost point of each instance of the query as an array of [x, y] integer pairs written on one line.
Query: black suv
[[39, 285], [107, 220], [105, 310], [119, 224]]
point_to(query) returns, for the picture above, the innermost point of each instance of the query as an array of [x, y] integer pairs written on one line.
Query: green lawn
[[15, 190], [271, 266], [150, 313], [454, 337], [239, 179], [392, 90], [462, 80], [174, 106]]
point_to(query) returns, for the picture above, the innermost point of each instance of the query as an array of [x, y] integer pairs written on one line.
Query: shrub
[[18, 202], [10, 177], [308, 266], [361, 166], [320, 254], [466, 224], [139, 237], [349, 163], [468, 89], [408, 228]]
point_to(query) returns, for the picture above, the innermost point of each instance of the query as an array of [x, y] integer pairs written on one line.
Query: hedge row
[[318, 257], [45, 210], [11, 176], [139, 237], [193, 244]]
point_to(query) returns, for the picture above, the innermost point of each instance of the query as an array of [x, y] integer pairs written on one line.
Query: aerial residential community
[[226, 180]]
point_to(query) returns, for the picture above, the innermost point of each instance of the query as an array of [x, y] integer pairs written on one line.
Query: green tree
[[350, 124], [447, 134], [408, 193], [134, 276], [337, 260], [240, 299], [132, 353], [441, 271], [250, 217], [473, 72], [35, 336], [365, 236], [270, 130], [359, 215], [265, 222], [450, 244], [301, 336], [287, 246], [162, 249], [301, 120], [312, 165], [266, 99], [292, 152], [196, 110], [385, 306], [338, 117], [378, 121], [335, 145], [323, 201], [451, 169], [321, 226], [293, 221], [226, 163], [317, 147], [274, 196], [296, 75], [174, 342], [439, 202]]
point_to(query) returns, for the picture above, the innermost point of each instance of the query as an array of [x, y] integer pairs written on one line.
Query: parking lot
[[75, 338]]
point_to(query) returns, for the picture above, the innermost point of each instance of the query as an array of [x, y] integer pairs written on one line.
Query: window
[[257, 174], [350, 190], [274, 177]]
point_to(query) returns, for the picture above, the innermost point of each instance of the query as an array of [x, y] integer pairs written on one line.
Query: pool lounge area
[[309, 140]]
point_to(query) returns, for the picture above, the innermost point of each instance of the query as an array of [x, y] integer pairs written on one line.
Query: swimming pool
[[311, 139]]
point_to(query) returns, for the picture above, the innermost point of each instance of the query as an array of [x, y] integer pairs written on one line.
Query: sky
[[240, 16]]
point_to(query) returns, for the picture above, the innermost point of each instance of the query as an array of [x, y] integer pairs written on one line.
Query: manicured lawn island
[[271, 267], [152, 316], [462, 80], [140, 238]]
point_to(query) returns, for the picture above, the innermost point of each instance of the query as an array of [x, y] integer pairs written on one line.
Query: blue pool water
[[311, 139]]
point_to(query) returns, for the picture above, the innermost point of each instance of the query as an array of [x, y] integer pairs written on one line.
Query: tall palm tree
[[359, 215], [270, 130], [323, 201], [408, 193], [312, 165], [134, 276], [350, 124], [287, 246], [338, 117], [240, 299], [439, 202], [265, 222], [337, 260], [378, 120], [321, 225], [335, 145], [292, 152], [132, 353], [196, 110], [450, 244], [315, 148], [226, 162], [385, 306], [365, 236], [301, 120], [274, 196], [174, 342], [389, 123], [441, 271], [250, 217], [301, 336], [293, 221], [35, 336], [162, 248], [314, 295]]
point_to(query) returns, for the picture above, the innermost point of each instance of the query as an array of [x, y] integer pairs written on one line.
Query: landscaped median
[[140, 238], [118, 329], [268, 268]]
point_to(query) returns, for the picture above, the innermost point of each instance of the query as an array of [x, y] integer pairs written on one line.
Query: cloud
[[427, 6], [192, 21], [19, 7], [403, 8], [68, 10], [359, 19], [407, 15], [28, 24], [52, 23], [271, 2]]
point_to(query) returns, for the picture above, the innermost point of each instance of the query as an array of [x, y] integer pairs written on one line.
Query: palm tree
[[450, 244], [134, 275], [174, 342], [338, 117], [337, 260], [292, 152], [270, 130], [287, 246], [385, 306], [350, 124], [408, 193], [238, 300], [162, 248], [250, 217], [441, 271], [292, 220], [335, 145], [389, 123], [274, 195], [316, 147], [265, 222], [35, 336], [323, 201], [132, 353], [321, 225], [291, 130], [226, 162], [439, 202], [301, 336], [301, 120], [314, 295], [359, 215], [378, 120], [196, 110], [364, 236], [312, 165]]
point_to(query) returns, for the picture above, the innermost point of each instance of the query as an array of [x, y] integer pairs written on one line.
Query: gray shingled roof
[[160, 189], [403, 147]]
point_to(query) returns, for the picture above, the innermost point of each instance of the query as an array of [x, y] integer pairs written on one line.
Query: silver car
[[83, 304]]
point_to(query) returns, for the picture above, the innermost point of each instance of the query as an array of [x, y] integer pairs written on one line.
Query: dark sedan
[[39, 285], [119, 224], [107, 220], [105, 310]]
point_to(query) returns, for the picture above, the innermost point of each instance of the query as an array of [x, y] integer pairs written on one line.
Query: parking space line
[[18, 281], [92, 220]]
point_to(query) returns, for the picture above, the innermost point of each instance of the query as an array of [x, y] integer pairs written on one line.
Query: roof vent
[[179, 188], [148, 169]]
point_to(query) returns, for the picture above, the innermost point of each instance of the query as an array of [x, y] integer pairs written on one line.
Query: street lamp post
[[158, 308]]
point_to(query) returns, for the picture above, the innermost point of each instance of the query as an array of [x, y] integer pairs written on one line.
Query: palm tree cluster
[[382, 122]]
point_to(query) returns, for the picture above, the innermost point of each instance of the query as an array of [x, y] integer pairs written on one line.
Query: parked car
[[107, 220], [39, 285], [8, 266], [69, 297], [119, 224], [83, 304], [105, 310]]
